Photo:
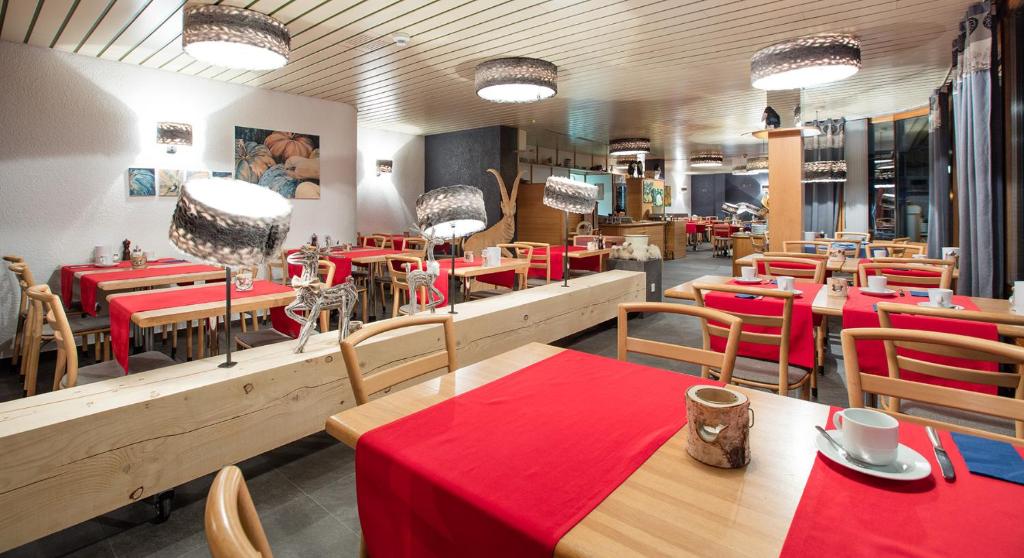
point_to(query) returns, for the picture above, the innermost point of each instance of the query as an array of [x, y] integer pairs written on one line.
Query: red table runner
[[510, 467], [592, 263], [123, 307], [858, 311], [342, 266], [67, 275], [441, 283], [801, 326], [88, 284], [845, 513]]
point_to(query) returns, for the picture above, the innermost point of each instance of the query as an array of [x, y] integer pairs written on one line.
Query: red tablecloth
[[761, 268], [893, 282], [592, 263], [508, 468], [844, 513], [88, 284], [696, 228], [67, 275], [342, 266], [441, 283], [858, 311], [122, 308], [801, 327], [397, 241]]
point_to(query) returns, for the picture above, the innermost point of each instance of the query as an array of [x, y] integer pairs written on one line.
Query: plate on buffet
[[909, 465]]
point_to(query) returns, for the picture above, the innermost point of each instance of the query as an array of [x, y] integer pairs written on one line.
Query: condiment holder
[[718, 426], [838, 287], [138, 259]]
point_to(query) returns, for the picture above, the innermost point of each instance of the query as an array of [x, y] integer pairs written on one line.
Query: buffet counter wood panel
[[675, 240], [74, 454], [536, 222], [654, 229]]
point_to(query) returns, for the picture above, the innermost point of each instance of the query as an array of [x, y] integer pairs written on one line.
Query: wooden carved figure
[[502, 231]]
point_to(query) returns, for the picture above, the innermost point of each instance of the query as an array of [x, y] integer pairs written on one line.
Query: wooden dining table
[[671, 505], [168, 278]]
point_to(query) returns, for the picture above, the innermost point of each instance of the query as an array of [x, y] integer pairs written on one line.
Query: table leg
[[370, 291], [149, 339]]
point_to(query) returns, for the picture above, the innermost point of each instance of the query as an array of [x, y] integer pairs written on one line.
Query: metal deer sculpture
[[424, 278], [502, 231], [312, 297]]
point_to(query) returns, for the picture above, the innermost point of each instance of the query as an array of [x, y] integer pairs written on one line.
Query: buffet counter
[[653, 229]]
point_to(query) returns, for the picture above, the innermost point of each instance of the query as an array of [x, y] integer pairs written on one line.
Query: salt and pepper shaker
[[126, 250]]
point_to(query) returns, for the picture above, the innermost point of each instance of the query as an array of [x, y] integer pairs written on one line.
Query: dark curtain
[[822, 190], [976, 107], [940, 208]]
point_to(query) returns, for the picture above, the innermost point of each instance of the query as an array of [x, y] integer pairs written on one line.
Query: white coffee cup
[[785, 283], [1017, 298], [103, 259], [942, 298], [877, 283], [869, 435], [748, 272]]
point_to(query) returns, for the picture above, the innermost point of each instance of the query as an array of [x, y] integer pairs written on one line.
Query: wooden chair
[[705, 356], [823, 258], [233, 528], [721, 239], [67, 374], [913, 274], [800, 268], [384, 380], [895, 388], [522, 251], [779, 375], [541, 258], [759, 243], [854, 236], [417, 243], [399, 285], [799, 246], [894, 249], [269, 336], [376, 241]]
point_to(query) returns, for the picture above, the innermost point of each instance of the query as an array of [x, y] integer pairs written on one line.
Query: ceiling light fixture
[[232, 37], [706, 159], [401, 39], [629, 146], [805, 62], [516, 80]]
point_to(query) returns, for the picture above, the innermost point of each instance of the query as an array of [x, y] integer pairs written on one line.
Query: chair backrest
[[772, 330], [801, 255], [10, 258], [907, 274], [721, 361], [759, 243], [853, 235], [948, 344], [721, 230], [25, 280], [233, 528], [894, 249], [540, 257], [799, 246], [47, 305], [376, 240], [363, 388], [802, 268], [517, 250], [277, 264], [397, 268], [417, 243], [917, 261]]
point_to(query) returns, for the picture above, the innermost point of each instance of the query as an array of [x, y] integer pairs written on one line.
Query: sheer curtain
[[978, 183], [940, 226]]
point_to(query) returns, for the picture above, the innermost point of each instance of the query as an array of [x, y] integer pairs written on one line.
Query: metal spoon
[[842, 452]]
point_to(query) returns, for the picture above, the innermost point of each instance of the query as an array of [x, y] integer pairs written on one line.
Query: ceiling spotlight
[[402, 39], [234, 37], [516, 80], [707, 159], [805, 62], [629, 146]]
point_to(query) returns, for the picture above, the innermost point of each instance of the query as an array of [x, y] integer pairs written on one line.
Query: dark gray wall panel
[[463, 158]]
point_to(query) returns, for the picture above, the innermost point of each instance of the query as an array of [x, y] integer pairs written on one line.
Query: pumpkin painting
[[286, 162]]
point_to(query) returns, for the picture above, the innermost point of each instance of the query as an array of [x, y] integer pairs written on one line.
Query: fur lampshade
[[569, 195], [230, 222], [451, 211]]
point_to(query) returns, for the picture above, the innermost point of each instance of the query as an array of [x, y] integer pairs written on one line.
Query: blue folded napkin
[[919, 293], [990, 458]]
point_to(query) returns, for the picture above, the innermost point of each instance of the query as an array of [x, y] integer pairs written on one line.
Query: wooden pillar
[[785, 191]]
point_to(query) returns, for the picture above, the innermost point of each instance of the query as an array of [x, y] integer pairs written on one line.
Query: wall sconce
[[173, 134], [383, 167]]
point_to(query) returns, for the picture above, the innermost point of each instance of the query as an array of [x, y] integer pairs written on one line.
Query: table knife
[[940, 454]]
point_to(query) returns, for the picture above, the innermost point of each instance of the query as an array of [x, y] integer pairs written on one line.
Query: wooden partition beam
[[72, 455], [785, 189]]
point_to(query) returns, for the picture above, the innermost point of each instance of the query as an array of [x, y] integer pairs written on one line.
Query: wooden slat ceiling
[[676, 71]]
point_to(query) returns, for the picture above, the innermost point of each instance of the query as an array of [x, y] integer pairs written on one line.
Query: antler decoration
[[311, 297]]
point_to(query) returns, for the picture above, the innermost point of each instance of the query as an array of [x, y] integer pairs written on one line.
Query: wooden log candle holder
[[718, 426]]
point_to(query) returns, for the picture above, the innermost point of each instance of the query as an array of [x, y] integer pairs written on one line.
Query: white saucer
[[796, 292], [928, 304], [886, 292], [756, 281], [909, 464]]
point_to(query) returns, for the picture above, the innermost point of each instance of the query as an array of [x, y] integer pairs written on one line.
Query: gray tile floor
[[305, 491]]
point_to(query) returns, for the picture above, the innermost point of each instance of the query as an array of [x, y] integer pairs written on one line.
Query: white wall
[[387, 203], [73, 125], [677, 179]]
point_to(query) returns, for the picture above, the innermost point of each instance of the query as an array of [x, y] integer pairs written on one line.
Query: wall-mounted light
[[173, 134], [383, 167]]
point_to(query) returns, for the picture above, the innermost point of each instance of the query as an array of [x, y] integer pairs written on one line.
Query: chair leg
[[394, 301], [188, 340], [97, 341], [106, 347], [174, 340], [200, 339], [58, 369], [19, 340]]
